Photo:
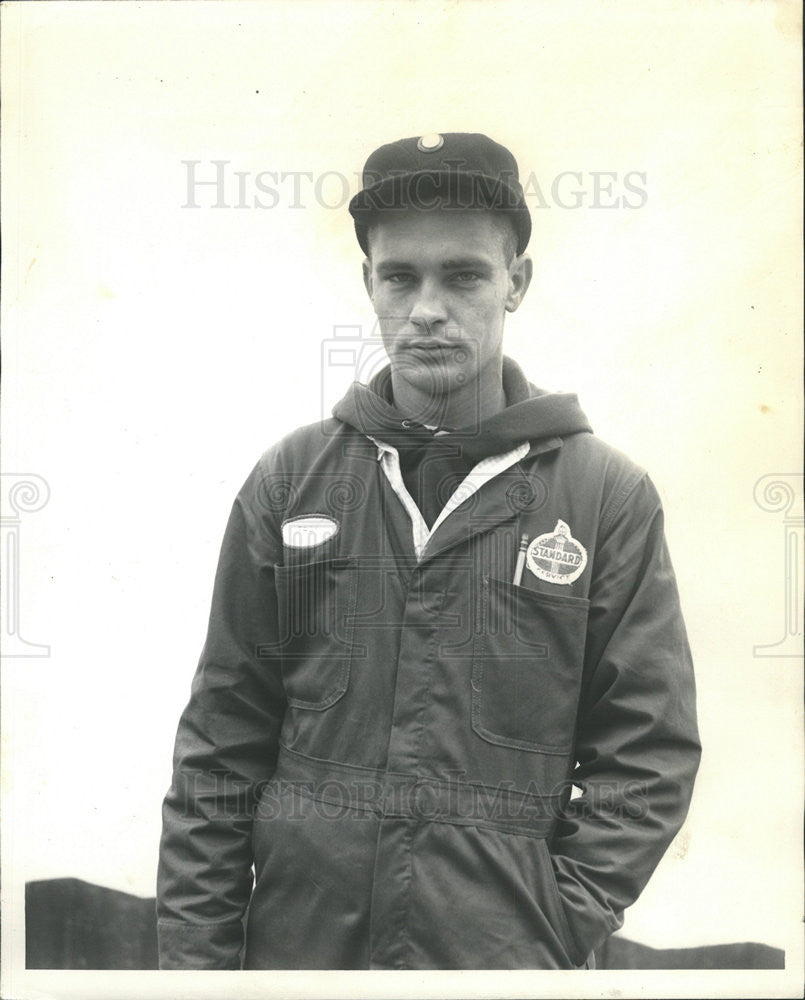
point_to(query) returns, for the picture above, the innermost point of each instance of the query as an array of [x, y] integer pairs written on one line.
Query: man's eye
[[399, 278], [466, 277]]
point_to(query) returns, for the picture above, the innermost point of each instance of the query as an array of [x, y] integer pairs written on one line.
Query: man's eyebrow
[[459, 263], [452, 264], [394, 265]]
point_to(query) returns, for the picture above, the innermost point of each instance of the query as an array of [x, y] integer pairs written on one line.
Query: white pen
[[518, 568]]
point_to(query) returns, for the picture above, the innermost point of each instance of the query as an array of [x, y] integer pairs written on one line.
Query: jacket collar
[[497, 489]]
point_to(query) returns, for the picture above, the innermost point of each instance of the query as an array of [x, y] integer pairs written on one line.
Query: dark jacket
[[393, 742]]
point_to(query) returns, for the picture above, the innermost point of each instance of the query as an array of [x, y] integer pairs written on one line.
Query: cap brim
[[426, 189]]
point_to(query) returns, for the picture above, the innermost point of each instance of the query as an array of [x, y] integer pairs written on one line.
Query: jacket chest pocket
[[528, 653], [316, 613]]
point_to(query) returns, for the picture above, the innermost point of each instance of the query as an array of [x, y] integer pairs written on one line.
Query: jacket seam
[[172, 922], [342, 685], [301, 789], [571, 944], [617, 502], [421, 780], [324, 760]]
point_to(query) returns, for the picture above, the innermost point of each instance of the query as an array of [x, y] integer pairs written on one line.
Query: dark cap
[[469, 169]]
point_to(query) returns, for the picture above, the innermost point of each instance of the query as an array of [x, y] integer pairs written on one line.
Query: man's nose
[[428, 309]]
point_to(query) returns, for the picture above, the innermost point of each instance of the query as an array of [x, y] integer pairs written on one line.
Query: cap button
[[430, 143]]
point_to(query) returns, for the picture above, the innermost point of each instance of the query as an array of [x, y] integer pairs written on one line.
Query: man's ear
[[520, 271], [367, 276]]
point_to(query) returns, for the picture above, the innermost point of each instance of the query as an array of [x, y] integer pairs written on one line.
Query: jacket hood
[[531, 414]]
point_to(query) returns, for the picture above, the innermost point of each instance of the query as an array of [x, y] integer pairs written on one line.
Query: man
[[446, 704]]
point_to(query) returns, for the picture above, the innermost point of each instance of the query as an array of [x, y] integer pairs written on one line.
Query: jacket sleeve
[[637, 743], [226, 746]]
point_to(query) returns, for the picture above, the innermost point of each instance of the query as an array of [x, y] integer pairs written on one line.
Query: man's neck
[[461, 406]]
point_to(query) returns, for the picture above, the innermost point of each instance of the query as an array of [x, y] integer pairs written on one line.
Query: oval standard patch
[[556, 557]]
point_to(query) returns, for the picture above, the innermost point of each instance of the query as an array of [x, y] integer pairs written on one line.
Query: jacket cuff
[[199, 946]]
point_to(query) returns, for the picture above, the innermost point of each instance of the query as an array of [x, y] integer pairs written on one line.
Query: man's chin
[[433, 379], [425, 372], [442, 364]]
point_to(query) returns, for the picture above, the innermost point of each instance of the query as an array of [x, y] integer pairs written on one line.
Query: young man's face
[[441, 281]]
